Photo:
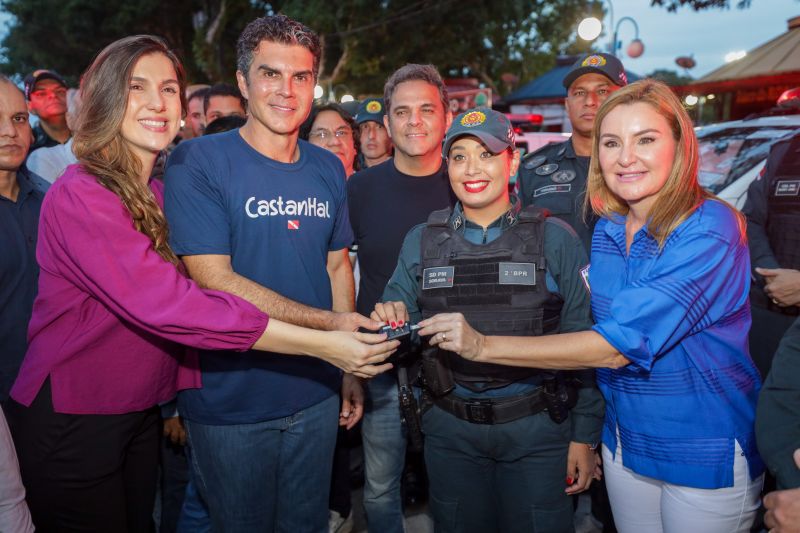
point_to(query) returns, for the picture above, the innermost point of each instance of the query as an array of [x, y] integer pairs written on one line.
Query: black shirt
[[384, 205], [19, 272]]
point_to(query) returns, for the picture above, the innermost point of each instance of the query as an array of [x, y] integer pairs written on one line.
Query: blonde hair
[[98, 143], [682, 193]]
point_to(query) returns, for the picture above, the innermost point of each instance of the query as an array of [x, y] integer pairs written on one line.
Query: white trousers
[[645, 505]]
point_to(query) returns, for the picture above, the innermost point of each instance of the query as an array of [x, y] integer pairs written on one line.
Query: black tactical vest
[[783, 229], [499, 287]]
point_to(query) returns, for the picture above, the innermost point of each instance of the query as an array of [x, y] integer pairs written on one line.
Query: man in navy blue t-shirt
[[21, 195], [259, 214], [386, 201]]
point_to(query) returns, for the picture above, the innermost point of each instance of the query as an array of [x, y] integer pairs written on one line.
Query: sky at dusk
[[707, 35]]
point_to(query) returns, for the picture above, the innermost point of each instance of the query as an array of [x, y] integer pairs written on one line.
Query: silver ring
[[444, 336], [775, 301]]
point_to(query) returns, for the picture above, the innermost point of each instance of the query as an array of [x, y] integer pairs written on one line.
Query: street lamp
[[590, 29]]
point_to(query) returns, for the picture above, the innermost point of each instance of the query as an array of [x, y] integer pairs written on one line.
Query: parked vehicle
[[528, 142], [733, 153]]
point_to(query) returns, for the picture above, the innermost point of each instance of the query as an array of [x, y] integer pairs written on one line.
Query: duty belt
[[492, 411]]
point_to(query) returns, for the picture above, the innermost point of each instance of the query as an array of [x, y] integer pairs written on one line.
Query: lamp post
[[590, 28]]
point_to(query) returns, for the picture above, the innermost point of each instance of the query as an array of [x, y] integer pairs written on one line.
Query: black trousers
[[88, 473]]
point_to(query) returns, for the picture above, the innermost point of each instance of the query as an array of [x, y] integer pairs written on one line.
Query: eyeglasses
[[324, 134]]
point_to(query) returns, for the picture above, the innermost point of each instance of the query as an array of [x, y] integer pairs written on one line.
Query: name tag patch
[[787, 188], [437, 277], [517, 274], [549, 189]]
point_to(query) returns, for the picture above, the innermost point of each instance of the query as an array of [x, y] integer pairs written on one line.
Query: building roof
[[778, 56]]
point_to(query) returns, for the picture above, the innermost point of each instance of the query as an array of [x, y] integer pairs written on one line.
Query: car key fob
[[399, 332]]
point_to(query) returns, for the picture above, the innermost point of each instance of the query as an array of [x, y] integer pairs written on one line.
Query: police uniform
[[554, 177], [495, 457], [370, 109], [778, 412], [773, 231]]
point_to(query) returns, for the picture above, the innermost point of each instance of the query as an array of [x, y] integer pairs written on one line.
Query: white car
[[528, 141], [733, 153]]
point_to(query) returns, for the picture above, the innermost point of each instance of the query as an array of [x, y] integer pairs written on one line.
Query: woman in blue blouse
[[669, 280]]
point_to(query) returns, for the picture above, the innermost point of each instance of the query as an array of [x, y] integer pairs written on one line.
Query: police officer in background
[[376, 145], [773, 231], [500, 442], [554, 177]]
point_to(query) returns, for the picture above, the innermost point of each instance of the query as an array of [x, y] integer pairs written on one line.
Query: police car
[[733, 153]]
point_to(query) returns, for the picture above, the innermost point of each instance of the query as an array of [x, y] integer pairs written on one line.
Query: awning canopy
[[548, 87], [779, 56]]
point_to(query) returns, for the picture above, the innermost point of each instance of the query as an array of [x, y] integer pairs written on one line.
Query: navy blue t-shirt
[[19, 272], [277, 222]]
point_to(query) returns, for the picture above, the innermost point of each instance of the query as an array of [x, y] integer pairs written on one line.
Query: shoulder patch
[[533, 162], [563, 176], [546, 170]]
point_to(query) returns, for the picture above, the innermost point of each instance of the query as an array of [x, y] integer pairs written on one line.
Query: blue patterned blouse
[[681, 316]]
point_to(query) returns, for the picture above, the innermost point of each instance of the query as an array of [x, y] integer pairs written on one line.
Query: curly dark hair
[[277, 29]]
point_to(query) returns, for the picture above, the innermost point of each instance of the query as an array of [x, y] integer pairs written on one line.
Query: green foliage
[[364, 40], [698, 5], [474, 38], [66, 34], [670, 77]]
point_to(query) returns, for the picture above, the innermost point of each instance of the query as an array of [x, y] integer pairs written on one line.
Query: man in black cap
[[46, 93], [554, 177], [376, 145]]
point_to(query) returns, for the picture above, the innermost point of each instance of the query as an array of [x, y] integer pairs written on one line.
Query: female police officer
[[499, 441], [670, 279]]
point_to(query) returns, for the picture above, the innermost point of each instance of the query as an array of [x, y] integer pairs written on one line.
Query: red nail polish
[[401, 323], [394, 325], [569, 480]]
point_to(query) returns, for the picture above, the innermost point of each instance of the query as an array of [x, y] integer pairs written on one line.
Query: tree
[[697, 5], [364, 40], [670, 77], [65, 35]]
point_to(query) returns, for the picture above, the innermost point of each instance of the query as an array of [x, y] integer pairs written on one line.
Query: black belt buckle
[[479, 412]]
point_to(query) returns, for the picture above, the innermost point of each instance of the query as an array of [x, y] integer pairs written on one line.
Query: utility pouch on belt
[[558, 397], [438, 377]]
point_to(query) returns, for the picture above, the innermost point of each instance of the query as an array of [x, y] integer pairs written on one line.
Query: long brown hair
[[682, 193], [98, 142]]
